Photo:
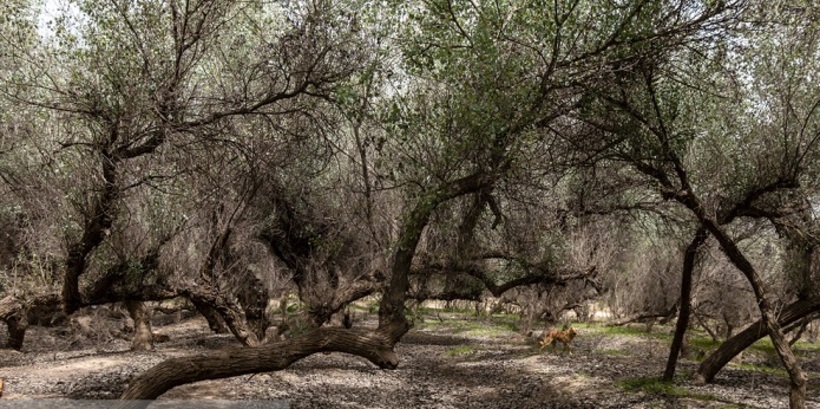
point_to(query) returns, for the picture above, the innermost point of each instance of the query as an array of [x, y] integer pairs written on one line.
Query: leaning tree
[[721, 145]]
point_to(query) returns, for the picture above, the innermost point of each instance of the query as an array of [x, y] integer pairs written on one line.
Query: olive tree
[[724, 155]]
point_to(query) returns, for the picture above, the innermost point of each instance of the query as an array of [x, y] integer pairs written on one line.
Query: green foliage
[[328, 105]]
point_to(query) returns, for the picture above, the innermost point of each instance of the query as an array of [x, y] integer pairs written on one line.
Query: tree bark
[[230, 312], [239, 361], [34, 310], [143, 338], [17, 332], [253, 298], [689, 260], [376, 346], [744, 339], [798, 378], [215, 322], [13, 312], [94, 231], [344, 294]]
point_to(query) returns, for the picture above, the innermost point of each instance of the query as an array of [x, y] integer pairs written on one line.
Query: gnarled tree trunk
[[376, 346], [143, 338], [798, 378], [231, 313], [239, 361], [253, 299], [215, 322], [13, 312]]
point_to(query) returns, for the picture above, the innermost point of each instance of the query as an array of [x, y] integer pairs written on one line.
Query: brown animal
[[1, 387], [565, 337]]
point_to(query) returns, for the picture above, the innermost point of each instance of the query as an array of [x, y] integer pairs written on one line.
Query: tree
[[662, 134], [480, 90]]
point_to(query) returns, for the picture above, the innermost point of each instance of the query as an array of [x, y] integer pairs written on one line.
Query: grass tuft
[[461, 350], [655, 386]]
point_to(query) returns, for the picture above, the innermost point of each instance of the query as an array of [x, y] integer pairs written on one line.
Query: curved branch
[[374, 346], [542, 276]]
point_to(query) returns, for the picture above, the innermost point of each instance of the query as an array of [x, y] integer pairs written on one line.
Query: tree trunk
[[18, 314], [17, 332], [143, 338], [689, 259], [94, 231], [215, 322], [253, 299], [798, 378], [239, 361], [347, 293], [41, 309], [13, 312], [376, 346], [744, 339], [229, 311]]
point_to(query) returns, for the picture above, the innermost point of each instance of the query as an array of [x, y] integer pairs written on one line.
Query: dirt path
[[458, 363]]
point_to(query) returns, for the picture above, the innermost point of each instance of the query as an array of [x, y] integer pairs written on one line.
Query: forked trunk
[[798, 378]]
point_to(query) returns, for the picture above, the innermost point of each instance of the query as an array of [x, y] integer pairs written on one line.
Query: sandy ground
[[462, 362]]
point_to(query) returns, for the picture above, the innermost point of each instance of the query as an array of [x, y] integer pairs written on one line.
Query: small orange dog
[[1, 387], [565, 337]]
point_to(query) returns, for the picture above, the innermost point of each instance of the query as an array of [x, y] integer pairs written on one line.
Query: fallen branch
[[375, 347]]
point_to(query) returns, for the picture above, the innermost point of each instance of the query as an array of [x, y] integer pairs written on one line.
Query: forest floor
[[449, 360]]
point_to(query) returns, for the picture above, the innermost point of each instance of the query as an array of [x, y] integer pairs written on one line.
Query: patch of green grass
[[763, 369], [370, 306], [461, 350], [462, 327], [655, 386], [800, 348], [764, 345], [704, 342], [469, 326], [615, 352], [456, 310], [362, 308], [428, 311], [507, 325], [482, 328], [802, 345], [623, 330], [502, 315]]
